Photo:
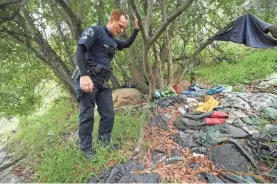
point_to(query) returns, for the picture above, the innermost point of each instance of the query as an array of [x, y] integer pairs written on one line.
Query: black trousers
[[102, 96]]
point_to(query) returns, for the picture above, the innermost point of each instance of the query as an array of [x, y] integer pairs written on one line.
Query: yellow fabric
[[208, 105]]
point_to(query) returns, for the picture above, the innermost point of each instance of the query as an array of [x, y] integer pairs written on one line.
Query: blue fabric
[[215, 90], [196, 91]]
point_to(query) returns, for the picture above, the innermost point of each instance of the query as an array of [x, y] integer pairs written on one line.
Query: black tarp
[[227, 178], [122, 173], [248, 30], [234, 156]]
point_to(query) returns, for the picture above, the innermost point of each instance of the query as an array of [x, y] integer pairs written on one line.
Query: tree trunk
[[159, 78], [138, 78], [101, 12], [50, 58], [168, 57], [114, 81], [166, 40], [148, 41], [148, 72], [67, 50]]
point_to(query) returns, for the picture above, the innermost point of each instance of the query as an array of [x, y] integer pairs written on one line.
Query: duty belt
[[105, 74], [99, 70]]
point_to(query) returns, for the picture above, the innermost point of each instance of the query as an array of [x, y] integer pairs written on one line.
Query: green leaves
[[20, 74], [254, 66]]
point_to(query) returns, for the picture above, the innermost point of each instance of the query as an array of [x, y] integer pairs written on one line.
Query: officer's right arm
[[87, 40]]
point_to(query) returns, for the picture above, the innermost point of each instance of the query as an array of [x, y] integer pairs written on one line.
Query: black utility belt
[[99, 70]]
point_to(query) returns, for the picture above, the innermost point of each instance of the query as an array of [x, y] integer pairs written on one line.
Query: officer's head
[[118, 22]]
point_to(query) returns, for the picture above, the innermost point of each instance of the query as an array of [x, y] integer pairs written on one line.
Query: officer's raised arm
[[121, 44]]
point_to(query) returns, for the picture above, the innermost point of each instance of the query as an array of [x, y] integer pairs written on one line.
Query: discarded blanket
[[186, 139], [229, 156], [212, 135], [248, 101], [171, 101], [195, 91], [268, 82], [271, 112], [159, 120], [122, 174], [227, 178], [195, 120], [248, 30], [215, 90], [208, 135]]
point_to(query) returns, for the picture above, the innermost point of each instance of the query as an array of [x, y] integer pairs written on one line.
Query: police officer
[[96, 49]]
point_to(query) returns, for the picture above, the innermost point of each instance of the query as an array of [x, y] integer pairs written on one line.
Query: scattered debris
[[229, 141]]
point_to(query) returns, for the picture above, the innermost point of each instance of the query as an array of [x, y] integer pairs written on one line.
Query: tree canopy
[[38, 41]]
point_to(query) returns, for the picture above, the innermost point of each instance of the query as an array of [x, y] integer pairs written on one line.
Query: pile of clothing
[[239, 135]]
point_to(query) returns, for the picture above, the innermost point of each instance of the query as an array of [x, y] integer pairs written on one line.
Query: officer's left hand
[[86, 84]]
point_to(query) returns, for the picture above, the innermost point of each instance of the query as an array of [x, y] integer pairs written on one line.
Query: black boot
[[107, 143], [90, 155]]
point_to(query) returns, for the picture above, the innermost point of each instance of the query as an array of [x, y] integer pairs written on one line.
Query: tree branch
[[170, 18], [67, 50], [81, 10], [198, 50], [17, 39], [148, 18], [135, 9], [74, 19], [47, 50], [3, 5], [15, 13]]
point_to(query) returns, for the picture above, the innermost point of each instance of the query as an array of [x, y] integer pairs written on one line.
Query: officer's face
[[119, 26]]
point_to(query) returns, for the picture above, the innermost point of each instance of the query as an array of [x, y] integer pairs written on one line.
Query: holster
[[99, 70]]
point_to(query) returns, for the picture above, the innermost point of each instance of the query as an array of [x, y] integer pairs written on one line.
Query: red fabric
[[215, 121], [219, 115], [216, 118], [177, 89]]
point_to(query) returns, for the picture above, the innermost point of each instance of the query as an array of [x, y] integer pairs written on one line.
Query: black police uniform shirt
[[101, 45]]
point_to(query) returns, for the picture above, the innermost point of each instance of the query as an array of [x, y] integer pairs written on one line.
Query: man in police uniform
[[96, 49]]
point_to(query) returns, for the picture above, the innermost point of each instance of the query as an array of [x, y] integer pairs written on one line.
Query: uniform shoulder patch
[[89, 32], [84, 37]]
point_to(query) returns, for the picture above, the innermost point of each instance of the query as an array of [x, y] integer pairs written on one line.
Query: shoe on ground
[[90, 155]]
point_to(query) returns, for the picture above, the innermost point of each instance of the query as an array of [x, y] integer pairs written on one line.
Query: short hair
[[117, 13]]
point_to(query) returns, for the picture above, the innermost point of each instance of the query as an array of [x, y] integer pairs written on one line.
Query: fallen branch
[[144, 121]]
